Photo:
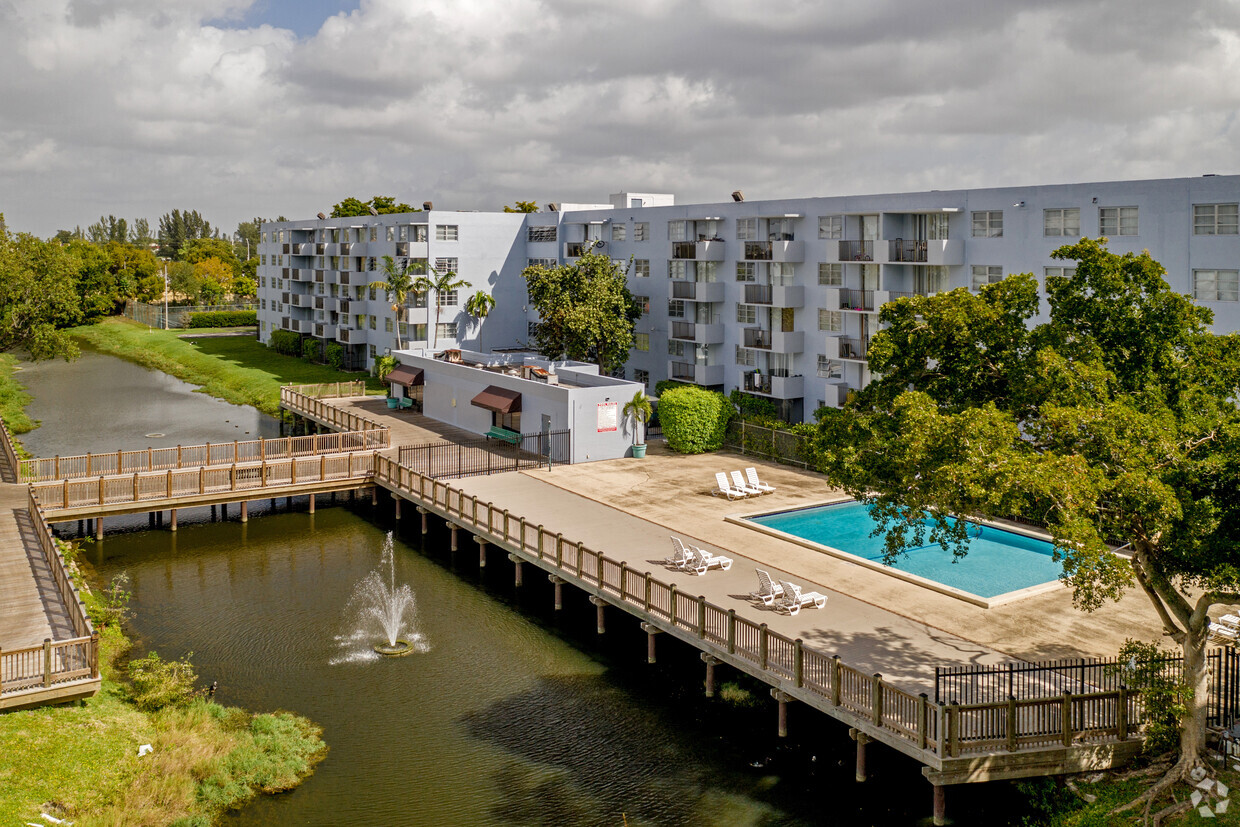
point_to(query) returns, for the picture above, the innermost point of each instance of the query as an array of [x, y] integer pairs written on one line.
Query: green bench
[[511, 437]]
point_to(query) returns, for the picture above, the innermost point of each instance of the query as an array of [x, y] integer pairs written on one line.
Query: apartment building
[[777, 298]]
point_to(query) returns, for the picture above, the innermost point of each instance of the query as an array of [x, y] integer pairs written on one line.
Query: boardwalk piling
[[862, 739], [99, 528], [172, 520], [940, 805], [783, 698], [600, 604], [311, 503], [651, 630], [245, 511], [711, 662], [482, 551], [454, 528], [559, 590], [518, 578]]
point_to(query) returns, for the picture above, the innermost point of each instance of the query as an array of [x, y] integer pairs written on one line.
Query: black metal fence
[[482, 456], [1077, 676]]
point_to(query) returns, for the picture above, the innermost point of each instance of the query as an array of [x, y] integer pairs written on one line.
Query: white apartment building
[[777, 298]]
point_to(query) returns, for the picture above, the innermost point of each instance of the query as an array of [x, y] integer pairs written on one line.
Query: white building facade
[[775, 298]]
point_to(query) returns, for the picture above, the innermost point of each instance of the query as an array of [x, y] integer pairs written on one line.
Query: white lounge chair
[[751, 474], [738, 482], [768, 589], [1230, 620], [680, 555], [794, 599], [722, 486], [1224, 633], [704, 560]]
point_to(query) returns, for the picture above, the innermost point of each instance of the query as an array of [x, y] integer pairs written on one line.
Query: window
[[446, 330], [830, 275], [641, 231], [829, 369], [419, 332], [447, 298], [541, 262], [262, 304], [746, 271], [531, 329], [542, 233], [831, 226], [420, 232], [374, 233], [402, 233], [746, 314], [263, 259], [643, 302], [264, 236], [831, 320], [986, 274], [619, 231], [746, 229], [641, 341], [374, 322], [780, 229], [390, 233], [782, 274], [373, 351], [1216, 285], [1117, 221], [641, 376], [676, 230], [988, 224], [1062, 222], [678, 270], [707, 270], [417, 299], [936, 227], [387, 324], [641, 268], [1060, 272], [675, 309], [675, 347], [1216, 219], [445, 265], [374, 291], [746, 357], [446, 232]]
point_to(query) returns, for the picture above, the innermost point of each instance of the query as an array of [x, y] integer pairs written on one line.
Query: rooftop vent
[[428, 205], [322, 217], [737, 195], [552, 206]]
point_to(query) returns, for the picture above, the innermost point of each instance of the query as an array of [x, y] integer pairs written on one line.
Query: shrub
[[334, 353], [751, 406], [224, 318], [156, 683], [1167, 697], [665, 385], [694, 420], [286, 342], [311, 350], [384, 365], [110, 605]]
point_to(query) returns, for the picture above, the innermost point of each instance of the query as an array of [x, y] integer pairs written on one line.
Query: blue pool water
[[998, 561]]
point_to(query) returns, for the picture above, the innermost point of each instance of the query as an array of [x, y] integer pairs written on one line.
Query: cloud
[[136, 107]]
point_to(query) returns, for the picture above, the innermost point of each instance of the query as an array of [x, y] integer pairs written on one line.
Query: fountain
[[379, 601]]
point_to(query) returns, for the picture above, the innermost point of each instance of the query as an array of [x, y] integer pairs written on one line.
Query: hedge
[[312, 350], [286, 342], [694, 420], [224, 318]]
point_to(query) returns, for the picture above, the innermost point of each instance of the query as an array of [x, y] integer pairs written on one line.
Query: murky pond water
[[515, 714]]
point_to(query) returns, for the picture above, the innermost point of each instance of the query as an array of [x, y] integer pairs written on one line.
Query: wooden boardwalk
[[32, 609]]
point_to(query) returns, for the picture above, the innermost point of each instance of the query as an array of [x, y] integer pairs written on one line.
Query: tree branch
[[1138, 570]]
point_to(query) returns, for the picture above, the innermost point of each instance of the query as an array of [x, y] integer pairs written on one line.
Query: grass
[[237, 369], [13, 397], [80, 761], [1061, 807]]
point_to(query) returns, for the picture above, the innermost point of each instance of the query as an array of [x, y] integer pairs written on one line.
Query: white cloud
[[135, 106]]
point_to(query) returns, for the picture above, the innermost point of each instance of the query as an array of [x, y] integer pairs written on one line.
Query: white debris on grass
[[1205, 812], [1221, 807], [144, 749]]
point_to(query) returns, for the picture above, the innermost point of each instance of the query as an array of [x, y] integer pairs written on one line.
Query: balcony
[[698, 291], [777, 341], [300, 300], [780, 387], [286, 249], [415, 315], [325, 331], [783, 251], [345, 248], [343, 333], [775, 295], [319, 249], [849, 348], [346, 278], [862, 300], [856, 251], [402, 249], [702, 334], [575, 249], [697, 374], [704, 250]]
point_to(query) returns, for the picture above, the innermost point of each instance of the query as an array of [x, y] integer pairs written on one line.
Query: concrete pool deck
[[628, 507]]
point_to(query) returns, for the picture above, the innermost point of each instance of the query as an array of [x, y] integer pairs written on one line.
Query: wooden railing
[[183, 483], [58, 662], [922, 726], [331, 390], [335, 417], [192, 456], [10, 452]]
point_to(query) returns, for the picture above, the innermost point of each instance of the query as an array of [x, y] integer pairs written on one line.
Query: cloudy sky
[[239, 108]]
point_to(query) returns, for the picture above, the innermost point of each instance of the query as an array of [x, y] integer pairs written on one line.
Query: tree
[[639, 410], [382, 204], [1114, 421], [441, 283], [109, 228], [523, 206], [215, 280], [247, 236], [176, 227], [586, 310], [37, 296], [141, 233], [480, 305], [199, 249], [399, 284]]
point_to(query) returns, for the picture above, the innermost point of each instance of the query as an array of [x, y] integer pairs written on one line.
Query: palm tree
[[480, 305], [398, 284], [441, 283], [640, 410]]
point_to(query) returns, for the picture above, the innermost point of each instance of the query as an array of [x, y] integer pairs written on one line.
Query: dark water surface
[[515, 714]]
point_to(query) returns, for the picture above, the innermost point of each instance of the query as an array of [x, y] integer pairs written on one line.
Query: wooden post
[[783, 698], [862, 739], [763, 645], [876, 699], [1121, 713], [245, 511], [702, 616], [172, 521], [940, 805], [425, 524], [923, 720], [120, 462], [558, 582], [482, 551], [1011, 723], [311, 503], [454, 528], [835, 680], [731, 631], [559, 546], [99, 527], [135, 486], [599, 604], [517, 579], [202, 480], [651, 630], [47, 661], [711, 662], [1066, 719], [798, 663], [101, 491], [953, 730], [397, 498]]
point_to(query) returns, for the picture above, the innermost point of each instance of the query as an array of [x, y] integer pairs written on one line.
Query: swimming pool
[[999, 562]]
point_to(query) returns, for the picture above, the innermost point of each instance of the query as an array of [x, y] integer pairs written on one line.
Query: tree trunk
[[1197, 676]]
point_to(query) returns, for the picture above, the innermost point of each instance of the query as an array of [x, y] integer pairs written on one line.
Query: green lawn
[[13, 397], [237, 369]]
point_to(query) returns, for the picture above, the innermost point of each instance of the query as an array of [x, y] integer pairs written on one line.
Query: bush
[[384, 365], [286, 342], [109, 606], [334, 353], [311, 350], [1167, 697], [694, 420], [224, 318], [665, 385], [156, 683], [751, 406]]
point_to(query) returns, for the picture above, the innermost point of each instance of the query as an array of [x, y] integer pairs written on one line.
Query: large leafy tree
[[586, 310], [382, 204], [1114, 422], [37, 295]]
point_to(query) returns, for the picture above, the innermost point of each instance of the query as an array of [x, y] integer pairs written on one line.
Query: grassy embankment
[[237, 369], [1062, 806], [13, 397], [80, 761]]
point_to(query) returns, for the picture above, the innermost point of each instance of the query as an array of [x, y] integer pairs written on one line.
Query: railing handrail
[[295, 400], [10, 451], [78, 466], [69, 595]]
